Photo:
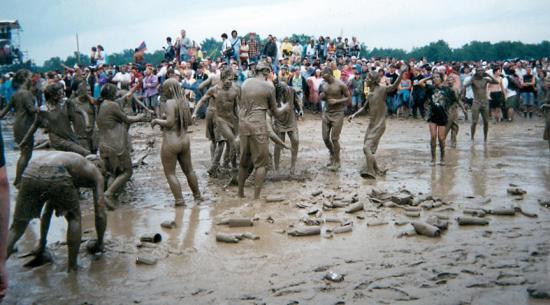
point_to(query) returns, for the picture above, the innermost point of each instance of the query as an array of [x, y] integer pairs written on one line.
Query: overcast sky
[[49, 27]]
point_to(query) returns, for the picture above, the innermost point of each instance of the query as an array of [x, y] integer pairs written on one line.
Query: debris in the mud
[[341, 204], [412, 214], [334, 277], [270, 219], [516, 191], [168, 224], [316, 193], [145, 260], [151, 238], [430, 204], [426, 229], [474, 212], [312, 210], [544, 202], [524, 212], [375, 223], [227, 238], [401, 222], [280, 231], [402, 198], [360, 217], [409, 231], [540, 290], [356, 207], [249, 235], [311, 221], [437, 222], [275, 198], [304, 231], [302, 205], [444, 209], [472, 221], [503, 211], [237, 222], [504, 279], [342, 229]]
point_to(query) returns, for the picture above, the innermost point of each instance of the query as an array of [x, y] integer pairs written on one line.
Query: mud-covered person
[[546, 110], [22, 102], [176, 143], [257, 97], [57, 116], [376, 102], [479, 82], [287, 124], [215, 140], [113, 145], [52, 180], [84, 127], [336, 95]]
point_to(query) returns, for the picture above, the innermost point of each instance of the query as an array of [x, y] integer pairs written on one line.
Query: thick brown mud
[[492, 264]]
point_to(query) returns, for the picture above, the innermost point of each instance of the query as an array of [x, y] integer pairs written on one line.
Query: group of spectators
[[520, 85]]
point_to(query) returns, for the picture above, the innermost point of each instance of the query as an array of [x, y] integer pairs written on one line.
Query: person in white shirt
[[123, 76]]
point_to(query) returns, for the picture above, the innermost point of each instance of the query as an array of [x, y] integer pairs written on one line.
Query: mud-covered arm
[[272, 102], [395, 84], [205, 84], [491, 79], [367, 100], [170, 120], [201, 102], [122, 117], [298, 104], [31, 130], [6, 109]]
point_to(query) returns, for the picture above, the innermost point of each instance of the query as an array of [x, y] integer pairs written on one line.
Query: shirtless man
[[22, 101], [56, 116], [452, 111], [257, 97], [53, 179], [286, 123], [377, 124], [176, 145], [113, 146], [86, 133], [225, 98], [336, 94], [479, 83]]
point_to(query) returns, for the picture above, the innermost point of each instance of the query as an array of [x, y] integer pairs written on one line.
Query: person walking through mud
[[176, 144], [113, 146], [336, 95], [53, 179], [479, 83], [84, 127], [452, 111], [56, 116], [257, 97], [440, 95], [287, 123], [376, 101], [22, 102]]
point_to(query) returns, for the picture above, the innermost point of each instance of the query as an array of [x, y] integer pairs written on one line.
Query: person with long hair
[[497, 95], [439, 95], [176, 144]]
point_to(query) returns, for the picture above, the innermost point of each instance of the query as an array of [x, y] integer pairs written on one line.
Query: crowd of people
[[248, 94]]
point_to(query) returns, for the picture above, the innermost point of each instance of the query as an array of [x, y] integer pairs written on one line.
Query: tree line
[[434, 51]]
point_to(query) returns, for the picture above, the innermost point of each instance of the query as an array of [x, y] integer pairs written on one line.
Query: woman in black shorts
[[496, 93], [438, 94]]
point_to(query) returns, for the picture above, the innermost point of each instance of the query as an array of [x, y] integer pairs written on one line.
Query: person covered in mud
[[479, 83], [113, 146], [335, 93], [126, 99], [56, 115], [452, 107], [376, 101], [22, 102], [257, 97], [52, 181], [176, 144], [224, 96], [440, 96], [86, 132], [287, 123], [216, 142]]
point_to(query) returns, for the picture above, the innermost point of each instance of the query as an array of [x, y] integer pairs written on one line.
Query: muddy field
[[493, 264]]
